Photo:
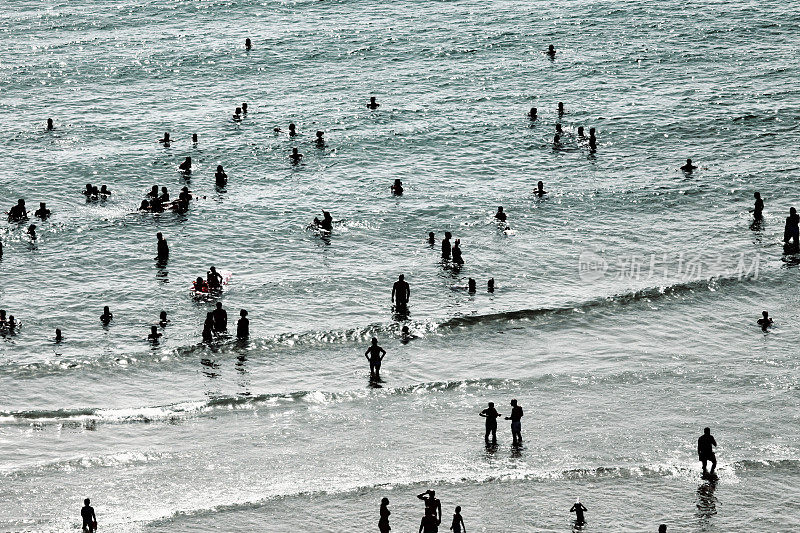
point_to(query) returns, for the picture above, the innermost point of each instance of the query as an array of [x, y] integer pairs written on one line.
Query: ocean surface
[[624, 313]]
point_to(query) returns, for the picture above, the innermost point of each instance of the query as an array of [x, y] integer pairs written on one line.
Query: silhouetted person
[[540, 189], [105, 191], [559, 130], [500, 215], [578, 509], [456, 252], [213, 279], [556, 141], [194, 138], [560, 109], [429, 523], [144, 206], [244, 108], [12, 323], [320, 139], [292, 130], [383, 523], [154, 334], [208, 325], [471, 286], [327, 221], [532, 114], [59, 338], [458, 522], [516, 423], [765, 321], [32, 232], [491, 415], [1, 250], [580, 132], [88, 516], [688, 167], [431, 238], [551, 51], [401, 291], [790, 231], [186, 166], [220, 177], [3, 319], [237, 114], [107, 316], [295, 156], [397, 188], [243, 325], [446, 248], [220, 318], [50, 124], [163, 247], [162, 319], [18, 212], [165, 140], [758, 208], [705, 451], [248, 44], [372, 103], [164, 196], [592, 139], [375, 355], [662, 528], [490, 285], [432, 504]]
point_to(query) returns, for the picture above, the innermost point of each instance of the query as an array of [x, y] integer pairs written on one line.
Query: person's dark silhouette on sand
[[578, 509], [375, 355], [383, 523], [220, 318], [88, 516], [516, 423], [432, 504], [243, 325], [491, 415], [705, 451], [765, 321], [401, 291]]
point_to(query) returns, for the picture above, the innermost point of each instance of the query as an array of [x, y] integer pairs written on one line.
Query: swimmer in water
[[200, 285], [59, 338], [372, 103], [208, 333], [490, 285], [688, 167], [446, 248], [186, 166], [556, 141], [144, 206], [164, 197], [156, 206], [32, 232], [471, 285], [95, 192], [397, 188], [50, 126], [791, 231], [500, 215], [163, 247], [107, 316], [220, 318], [165, 139], [214, 278], [248, 44], [578, 509], [162, 319], [243, 325], [220, 177], [431, 239], [244, 108], [295, 156], [561, 109], [551, 51], [580, 132], [42, 212], [532, 114], [456, 251], [18, 212], [154, 335], [662, 528], [88, 190], [765, 321], [105, 191], [237, 115], [194, 138], [292, 130], [559, 130], [758, 208], [320, 140], [375, 355], [153, 192], [592, 139]]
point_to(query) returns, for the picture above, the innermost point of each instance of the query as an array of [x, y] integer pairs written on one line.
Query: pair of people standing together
[[491, 415]]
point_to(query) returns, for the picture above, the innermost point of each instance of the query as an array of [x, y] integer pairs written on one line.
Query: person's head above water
[[532, 112], [49, 123], [248, 44], [580, 131], [320, 133]]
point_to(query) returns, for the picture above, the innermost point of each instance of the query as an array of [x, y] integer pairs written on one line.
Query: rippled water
[[617, 373]]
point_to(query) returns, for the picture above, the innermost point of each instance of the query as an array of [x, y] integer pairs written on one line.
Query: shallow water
[[617, 373]]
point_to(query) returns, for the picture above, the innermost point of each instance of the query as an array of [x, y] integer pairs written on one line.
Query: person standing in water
[[243, 325], [688, 167], [458, 522], [431, 239], [372, 103], [383, 523], [42, 213], [220, 177], [401, 291], [50, 126], [88, 517], [765, 321], [154, 335], [790, 231], [163, 247], [446, 248], [516, 423], [532, 114], [248, 44], [295, 156], [551, 51], [429, 523], [540, 189], [220, 318], [500, 215], [578, 509], [107, 316], [456, 253], [432, 504], [662, 528], [491, 415], [375, 355], [705, 451], [758, 208]]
